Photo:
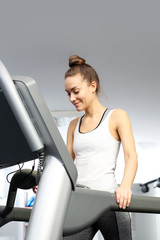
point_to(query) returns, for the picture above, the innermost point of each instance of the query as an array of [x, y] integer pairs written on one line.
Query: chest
[[93, 142], [88, 125]]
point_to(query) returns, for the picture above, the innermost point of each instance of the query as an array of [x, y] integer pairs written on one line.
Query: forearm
[[129, 171], [124, 193]]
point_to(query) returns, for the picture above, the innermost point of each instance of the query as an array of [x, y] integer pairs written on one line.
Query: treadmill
[[28, 132]]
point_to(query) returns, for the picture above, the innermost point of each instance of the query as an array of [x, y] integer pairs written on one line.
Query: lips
[[76, 104]]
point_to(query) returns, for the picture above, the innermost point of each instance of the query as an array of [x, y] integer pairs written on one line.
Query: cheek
[[83, 96], [88, 95]]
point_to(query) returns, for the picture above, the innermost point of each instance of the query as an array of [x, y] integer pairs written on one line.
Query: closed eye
[[74, 90]]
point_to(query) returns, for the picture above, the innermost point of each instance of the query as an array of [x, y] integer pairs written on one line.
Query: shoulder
[[70, 136], [119, 113], [74, 122], [117, 122], [73, 125], [119, 116], [120, 119]]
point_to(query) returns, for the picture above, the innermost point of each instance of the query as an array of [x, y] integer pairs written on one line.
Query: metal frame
[[59, 174]]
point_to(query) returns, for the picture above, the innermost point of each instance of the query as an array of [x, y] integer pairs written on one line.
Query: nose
[[72, 97]]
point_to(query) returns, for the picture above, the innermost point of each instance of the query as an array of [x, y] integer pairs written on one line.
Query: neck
[[94, 109]]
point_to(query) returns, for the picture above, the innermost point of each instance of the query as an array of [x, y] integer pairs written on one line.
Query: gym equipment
[[145, 187], [23, 179], [27, 124], [27, 132]]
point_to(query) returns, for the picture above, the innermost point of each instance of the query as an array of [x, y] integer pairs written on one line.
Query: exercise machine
[[145, 187], [28, 132]]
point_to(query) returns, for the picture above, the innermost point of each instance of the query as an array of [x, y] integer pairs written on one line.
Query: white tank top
[[96, 155]]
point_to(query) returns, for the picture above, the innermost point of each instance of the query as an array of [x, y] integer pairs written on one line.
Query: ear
[[93, 86]]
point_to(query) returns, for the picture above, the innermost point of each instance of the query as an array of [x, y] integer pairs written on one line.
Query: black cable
[[20, 168]]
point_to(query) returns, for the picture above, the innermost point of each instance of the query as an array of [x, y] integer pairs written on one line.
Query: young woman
[[93, 142]]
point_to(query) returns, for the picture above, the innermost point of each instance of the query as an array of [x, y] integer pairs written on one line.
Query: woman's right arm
[[70, 136]]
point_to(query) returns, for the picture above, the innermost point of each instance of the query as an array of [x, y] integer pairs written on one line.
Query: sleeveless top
[[95, 156]]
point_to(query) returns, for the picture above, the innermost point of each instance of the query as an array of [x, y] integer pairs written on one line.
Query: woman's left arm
[[124, 129]]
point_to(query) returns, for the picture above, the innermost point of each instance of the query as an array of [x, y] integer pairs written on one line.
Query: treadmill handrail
[[88, 205]]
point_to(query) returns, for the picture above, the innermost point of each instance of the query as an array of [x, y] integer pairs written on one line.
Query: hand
[[123, 196], [35, 189]]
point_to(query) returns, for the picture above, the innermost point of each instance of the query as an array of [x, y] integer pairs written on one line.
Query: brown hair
[[78, 65]]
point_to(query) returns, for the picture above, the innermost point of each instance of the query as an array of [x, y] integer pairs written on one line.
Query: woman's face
[[80, 92]]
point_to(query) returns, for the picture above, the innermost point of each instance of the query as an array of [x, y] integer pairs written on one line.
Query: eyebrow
[[72, 88]]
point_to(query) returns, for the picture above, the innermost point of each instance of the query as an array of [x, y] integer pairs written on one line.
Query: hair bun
[[76, 60]]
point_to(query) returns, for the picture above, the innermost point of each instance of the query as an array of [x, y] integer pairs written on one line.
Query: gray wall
[[119, 38]]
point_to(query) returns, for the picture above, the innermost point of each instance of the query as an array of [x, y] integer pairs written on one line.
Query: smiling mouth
[[76, 104]]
